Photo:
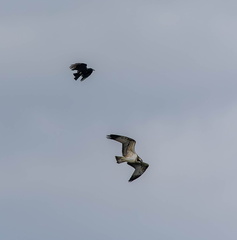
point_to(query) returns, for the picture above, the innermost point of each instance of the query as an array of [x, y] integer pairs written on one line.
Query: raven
[[82, 71]]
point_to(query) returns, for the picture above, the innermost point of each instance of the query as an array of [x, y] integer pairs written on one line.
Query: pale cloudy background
[[165, 75]]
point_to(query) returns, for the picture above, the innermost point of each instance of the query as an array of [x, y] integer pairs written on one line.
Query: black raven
[[82, 71]]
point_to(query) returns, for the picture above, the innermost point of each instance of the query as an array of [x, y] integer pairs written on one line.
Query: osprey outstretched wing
[[140, 168], [128, 144]]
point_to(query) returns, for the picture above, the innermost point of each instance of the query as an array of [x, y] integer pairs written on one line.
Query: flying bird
[[129, 155], [82, 71]]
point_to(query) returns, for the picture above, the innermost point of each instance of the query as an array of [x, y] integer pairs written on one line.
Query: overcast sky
[[165, 75]]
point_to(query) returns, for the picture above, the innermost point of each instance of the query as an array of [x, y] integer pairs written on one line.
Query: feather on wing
[[79, 67], [128, 144], [140, 168]]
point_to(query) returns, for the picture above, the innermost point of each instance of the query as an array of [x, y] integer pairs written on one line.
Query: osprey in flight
[[129, 155], [82, 70]]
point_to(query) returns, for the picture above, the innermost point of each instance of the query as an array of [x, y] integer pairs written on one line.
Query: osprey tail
[[119, 159]]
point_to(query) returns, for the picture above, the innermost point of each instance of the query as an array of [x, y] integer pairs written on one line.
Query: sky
[[165, 75]]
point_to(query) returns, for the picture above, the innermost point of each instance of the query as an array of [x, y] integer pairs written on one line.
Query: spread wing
[[80, 67], [87, 73], [140, 168], [128, 144]]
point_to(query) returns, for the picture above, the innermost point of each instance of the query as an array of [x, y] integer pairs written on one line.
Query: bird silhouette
[[82, 71]]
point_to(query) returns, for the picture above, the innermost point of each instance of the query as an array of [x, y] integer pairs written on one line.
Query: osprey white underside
[[130, 158]]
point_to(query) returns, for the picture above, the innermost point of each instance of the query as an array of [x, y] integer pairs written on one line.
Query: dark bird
[[82, 71], [129, 155]]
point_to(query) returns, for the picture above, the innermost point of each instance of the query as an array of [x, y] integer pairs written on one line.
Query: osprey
[[82, 70], [129, 155]]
